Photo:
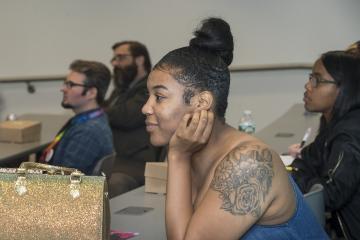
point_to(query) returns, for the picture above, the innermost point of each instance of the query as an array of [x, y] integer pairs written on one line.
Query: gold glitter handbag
[[40, 201]]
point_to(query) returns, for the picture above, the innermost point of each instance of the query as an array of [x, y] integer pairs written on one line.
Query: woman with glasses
[[333, 159]]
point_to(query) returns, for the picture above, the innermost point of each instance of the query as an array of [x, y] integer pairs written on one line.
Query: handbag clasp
[[20, 184], [75, 180]]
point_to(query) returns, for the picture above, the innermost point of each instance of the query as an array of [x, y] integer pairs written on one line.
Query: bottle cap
[[11, 117]]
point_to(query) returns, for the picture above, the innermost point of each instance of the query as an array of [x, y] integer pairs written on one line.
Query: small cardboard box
[[20, 131], [155, 177]]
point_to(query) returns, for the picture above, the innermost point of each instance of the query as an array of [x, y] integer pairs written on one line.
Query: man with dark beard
[[85, 138], [132, 65]]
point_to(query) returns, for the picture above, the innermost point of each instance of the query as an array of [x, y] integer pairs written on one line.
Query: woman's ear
[[204, 100]]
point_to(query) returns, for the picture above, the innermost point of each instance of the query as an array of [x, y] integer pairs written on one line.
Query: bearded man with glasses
[[131, 64]]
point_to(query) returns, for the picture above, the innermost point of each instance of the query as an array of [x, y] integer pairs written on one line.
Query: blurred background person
[[131, 66]]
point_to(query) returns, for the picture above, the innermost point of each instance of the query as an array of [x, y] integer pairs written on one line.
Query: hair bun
[[215, 35]]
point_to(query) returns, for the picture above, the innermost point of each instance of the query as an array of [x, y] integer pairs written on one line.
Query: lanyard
[[81, 118]]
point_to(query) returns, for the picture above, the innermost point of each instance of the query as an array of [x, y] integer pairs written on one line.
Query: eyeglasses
[[70, 84], [120, 57], [315, 80]]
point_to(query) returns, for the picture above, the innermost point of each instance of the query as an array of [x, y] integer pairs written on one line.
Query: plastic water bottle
[[247, 123]]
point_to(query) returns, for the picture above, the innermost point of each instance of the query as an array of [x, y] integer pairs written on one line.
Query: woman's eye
[[159, 98]]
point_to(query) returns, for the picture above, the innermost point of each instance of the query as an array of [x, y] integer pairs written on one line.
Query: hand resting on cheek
[[192, 133]]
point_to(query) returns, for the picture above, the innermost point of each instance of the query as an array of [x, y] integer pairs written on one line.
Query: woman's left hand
[[192, 133]]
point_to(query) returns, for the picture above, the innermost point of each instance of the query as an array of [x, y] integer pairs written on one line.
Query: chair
[[104, 166], [120, 183], [315, 199]]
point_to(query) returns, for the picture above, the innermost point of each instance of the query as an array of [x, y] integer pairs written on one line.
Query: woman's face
[[320, 98], [164, 108]]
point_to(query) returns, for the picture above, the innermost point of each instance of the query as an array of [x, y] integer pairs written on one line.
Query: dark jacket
[[131, 141], [333, 160]]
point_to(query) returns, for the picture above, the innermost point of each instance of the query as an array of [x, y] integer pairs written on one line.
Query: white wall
[[41, 37], [268, 94]]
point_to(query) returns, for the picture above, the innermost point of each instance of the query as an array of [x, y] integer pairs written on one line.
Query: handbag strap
[[50, 169]]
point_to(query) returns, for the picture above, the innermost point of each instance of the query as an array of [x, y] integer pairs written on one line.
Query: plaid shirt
[[83, 144]]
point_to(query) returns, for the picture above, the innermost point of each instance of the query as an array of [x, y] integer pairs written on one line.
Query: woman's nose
[[146, 109]]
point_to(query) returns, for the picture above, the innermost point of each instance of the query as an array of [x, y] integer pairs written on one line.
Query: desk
[[289, 128], [150, 225], [50, 125]]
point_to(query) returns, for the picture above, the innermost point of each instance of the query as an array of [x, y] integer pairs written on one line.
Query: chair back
[[104, 166], [315, 199]]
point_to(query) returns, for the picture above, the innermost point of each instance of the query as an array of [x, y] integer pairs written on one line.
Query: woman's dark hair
[[354, 48], [344, 67], [203, 65], [97, 75]]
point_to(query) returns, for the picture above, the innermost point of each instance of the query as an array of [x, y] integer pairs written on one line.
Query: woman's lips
[[150, 126]]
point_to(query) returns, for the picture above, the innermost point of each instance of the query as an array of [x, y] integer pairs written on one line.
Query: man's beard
[[66, 105], [124, 76]]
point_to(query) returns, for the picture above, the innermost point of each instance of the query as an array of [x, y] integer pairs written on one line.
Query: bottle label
[[247, 127]]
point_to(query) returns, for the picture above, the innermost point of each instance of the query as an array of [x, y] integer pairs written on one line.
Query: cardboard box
[[20, 131], [155, 177]]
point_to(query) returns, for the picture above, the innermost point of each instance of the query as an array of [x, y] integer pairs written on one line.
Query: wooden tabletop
[[50, 125]]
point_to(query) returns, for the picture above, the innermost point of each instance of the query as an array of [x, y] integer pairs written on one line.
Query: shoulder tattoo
[[243, 179]]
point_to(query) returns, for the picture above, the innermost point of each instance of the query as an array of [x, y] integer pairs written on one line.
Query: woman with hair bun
[[222, 183]]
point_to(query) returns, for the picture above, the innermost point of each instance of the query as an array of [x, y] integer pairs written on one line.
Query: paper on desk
[[287, 159]]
